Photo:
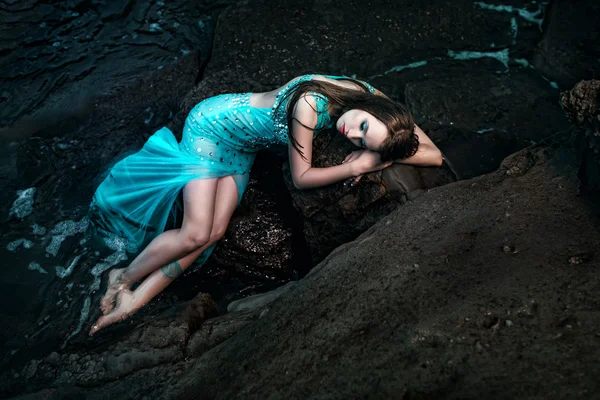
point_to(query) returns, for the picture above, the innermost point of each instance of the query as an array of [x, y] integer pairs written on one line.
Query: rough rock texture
[[58, 54], [489, 292], [582, 105]]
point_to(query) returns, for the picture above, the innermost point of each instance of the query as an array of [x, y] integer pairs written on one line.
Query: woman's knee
[[193, 240]]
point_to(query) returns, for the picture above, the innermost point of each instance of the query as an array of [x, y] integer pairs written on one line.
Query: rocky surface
[[480, 289], [483, 288], [57, 55]]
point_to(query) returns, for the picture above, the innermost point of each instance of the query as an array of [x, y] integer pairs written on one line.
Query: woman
[[212, 162]]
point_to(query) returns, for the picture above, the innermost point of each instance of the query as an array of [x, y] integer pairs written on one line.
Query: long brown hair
[[402, 141]]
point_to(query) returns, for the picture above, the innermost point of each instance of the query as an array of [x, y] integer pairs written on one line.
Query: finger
[[355, 180], [384, 165]]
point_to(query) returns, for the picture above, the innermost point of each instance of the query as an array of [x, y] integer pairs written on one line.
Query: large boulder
[[455, 295]]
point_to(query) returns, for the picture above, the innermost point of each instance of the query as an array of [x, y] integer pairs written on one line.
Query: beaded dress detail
[[221, 137]]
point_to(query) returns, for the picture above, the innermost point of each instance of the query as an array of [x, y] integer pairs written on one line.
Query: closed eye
[[364, 126]]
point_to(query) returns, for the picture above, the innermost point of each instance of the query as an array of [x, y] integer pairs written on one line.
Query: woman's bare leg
[[198, 214], [128, 302]]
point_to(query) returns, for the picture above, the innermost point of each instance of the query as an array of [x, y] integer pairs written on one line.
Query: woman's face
[[362, 129]]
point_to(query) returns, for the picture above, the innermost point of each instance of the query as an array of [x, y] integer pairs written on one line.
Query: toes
[[106, 306], [97, 326]]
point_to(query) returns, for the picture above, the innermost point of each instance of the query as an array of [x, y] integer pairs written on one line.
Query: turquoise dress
[[221, 137]]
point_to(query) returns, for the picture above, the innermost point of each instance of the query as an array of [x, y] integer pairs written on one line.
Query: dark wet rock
[[568, 51], [86, 146], [57, 56]]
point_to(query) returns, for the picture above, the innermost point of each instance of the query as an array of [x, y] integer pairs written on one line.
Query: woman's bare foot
[[115, 285], [125, 307]]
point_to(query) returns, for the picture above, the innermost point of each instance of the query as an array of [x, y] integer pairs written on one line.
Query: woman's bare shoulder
[[338, 82]]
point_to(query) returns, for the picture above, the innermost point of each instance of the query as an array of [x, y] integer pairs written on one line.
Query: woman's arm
[[427, 154], [303, 174]]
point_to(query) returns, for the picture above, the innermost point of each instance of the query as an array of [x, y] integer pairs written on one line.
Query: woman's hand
[[365, 161], [369, 161], [349, 158]]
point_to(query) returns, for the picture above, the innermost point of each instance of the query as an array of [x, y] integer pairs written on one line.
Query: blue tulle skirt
[[140, 193]]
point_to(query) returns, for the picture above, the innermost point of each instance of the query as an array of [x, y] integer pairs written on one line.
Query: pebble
[[53, 358], [579, 259], [478, 347], [508, 322]]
